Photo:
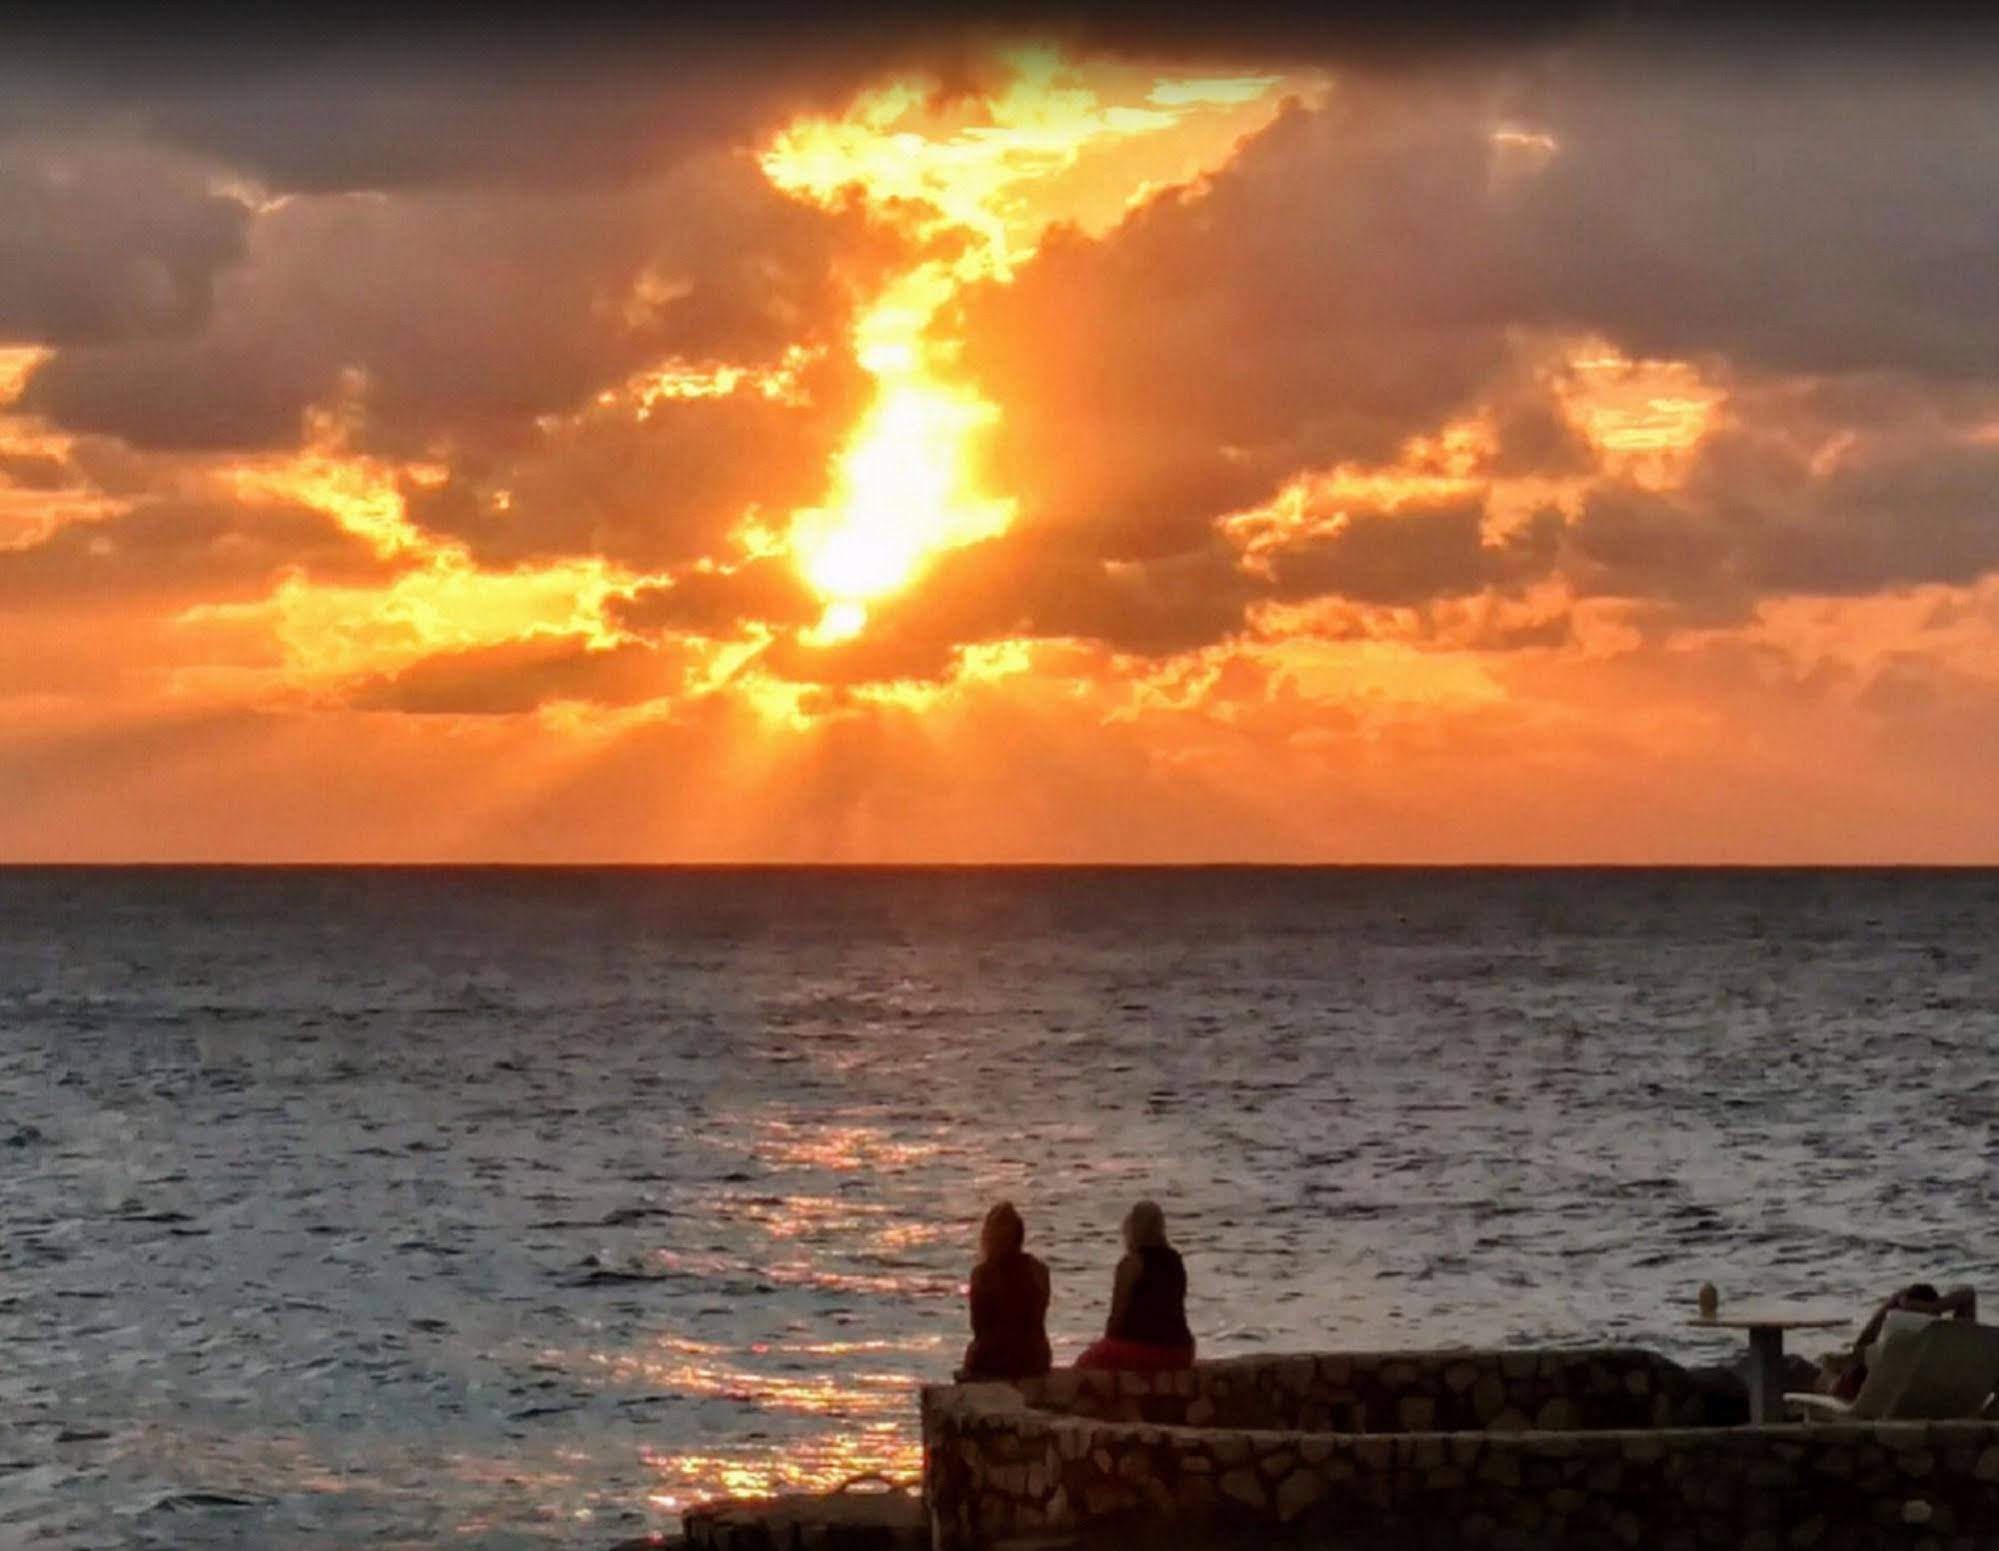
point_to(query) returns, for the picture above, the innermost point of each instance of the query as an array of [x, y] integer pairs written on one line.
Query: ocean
[[518, 1208]]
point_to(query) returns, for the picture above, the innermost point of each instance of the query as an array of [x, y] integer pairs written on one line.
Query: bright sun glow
[[902, 492], [983, 176], [905, 495]]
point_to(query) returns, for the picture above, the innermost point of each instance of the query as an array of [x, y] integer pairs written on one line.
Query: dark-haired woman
[[1009, 1298]]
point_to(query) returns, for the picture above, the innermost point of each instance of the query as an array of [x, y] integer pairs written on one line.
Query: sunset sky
[[1077, 443]]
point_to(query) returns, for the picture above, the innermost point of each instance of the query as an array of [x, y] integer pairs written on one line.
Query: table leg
[[1766, 1375]]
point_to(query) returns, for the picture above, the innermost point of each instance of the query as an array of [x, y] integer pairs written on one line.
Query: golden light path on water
[[863, 1392], [859, 1388]]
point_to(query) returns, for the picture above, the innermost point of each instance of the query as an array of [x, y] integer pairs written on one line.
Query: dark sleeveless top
[[1157, 1314], [1009, 1307]]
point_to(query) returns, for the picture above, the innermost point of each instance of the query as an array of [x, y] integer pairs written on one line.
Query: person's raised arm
[[1122, 1287], [1959, 1302]]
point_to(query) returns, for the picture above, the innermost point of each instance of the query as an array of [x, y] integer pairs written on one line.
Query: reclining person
[[1844, 1376]]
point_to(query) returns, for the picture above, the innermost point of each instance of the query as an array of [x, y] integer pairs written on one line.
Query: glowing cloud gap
[[981, 176], [903, 491]]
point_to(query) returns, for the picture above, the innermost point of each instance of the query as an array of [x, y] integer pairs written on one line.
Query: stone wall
[[1385, 1392], [997, 1465]]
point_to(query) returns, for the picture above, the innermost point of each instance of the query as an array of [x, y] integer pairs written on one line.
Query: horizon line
[[447, 865]]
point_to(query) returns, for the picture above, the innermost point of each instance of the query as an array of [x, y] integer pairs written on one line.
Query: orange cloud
[[1221, 451]]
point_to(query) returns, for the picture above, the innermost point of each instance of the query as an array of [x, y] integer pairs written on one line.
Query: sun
[[903, 488], [905, 495], [979, 177]]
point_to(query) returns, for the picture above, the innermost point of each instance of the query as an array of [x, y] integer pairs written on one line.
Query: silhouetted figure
[[1147, 1329], [1009, 1298], [1848, 1375]]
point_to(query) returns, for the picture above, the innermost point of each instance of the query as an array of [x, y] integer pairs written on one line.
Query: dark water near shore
[[303, 1172]]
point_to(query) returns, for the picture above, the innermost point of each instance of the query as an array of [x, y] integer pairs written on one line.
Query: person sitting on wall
[[1009, 1299], [1147, 1329], [1844, 1375]]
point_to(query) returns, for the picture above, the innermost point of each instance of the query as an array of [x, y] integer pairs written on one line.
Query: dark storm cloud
[[346, 99], [33, 471], [353, 98], [767, 591], [1754, 520], [166, 552], [1413, 554], [108, 242], [1823, 214], [652, 492], [874, 657], [1228, 337], [1363, 274], [1150, 608], [1000, 589], [1015, 588], [344, 102], [466, 315], [1535, 437], [518, 676]]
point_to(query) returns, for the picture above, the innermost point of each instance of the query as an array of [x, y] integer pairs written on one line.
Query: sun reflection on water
[[867, 1408], [799, 1216], [685, 1477], [855, 1394], [799, 1144], [805, 1415]]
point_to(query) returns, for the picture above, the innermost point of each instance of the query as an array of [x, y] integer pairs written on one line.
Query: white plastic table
[[1766, 1329]]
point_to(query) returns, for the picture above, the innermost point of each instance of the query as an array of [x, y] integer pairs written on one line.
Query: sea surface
[[518, 1208]]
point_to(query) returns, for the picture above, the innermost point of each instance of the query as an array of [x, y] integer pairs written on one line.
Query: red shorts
[[1135, 1356]]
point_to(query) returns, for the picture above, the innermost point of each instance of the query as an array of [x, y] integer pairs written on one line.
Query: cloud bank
[[1538, 424]]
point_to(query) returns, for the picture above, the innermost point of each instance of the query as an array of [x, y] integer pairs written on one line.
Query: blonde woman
[[1147, 1329], [1009, 1298]]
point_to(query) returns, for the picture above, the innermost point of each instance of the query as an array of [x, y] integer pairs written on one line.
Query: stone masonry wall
[[1382, 1392], [997, 1466]]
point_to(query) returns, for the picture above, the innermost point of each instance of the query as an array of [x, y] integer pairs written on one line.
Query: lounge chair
[[1921, 1369]]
